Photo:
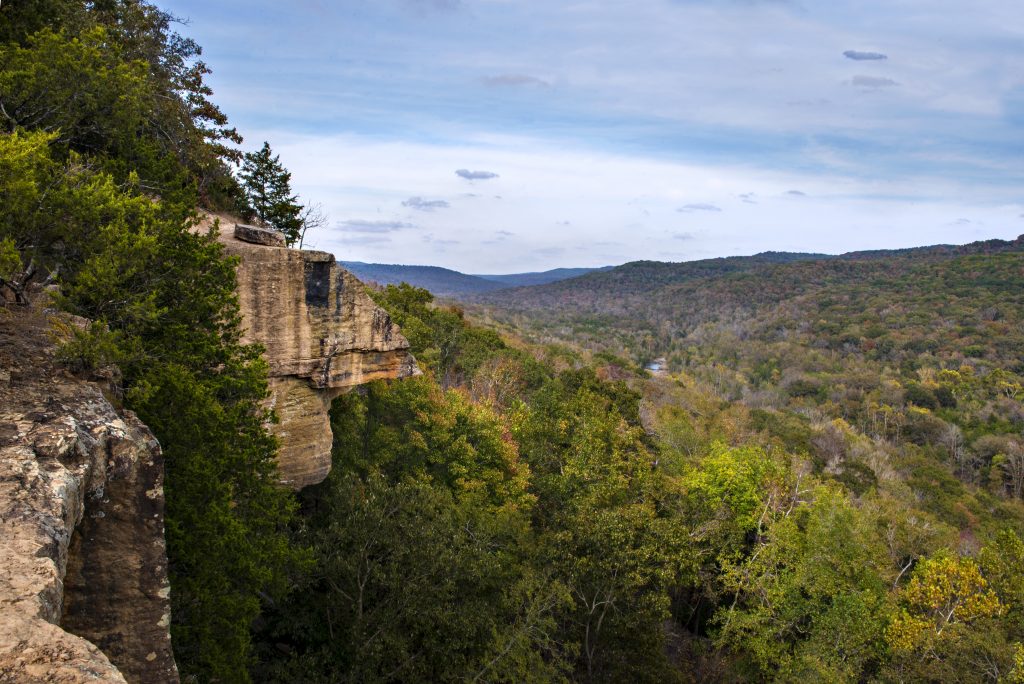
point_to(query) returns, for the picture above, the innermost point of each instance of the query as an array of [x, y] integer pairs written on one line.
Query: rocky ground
[[83, 583]]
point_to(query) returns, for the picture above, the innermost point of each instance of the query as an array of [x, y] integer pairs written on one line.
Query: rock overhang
[[322, 336]]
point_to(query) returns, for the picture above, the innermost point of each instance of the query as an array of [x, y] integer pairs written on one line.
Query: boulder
[[259, 236]]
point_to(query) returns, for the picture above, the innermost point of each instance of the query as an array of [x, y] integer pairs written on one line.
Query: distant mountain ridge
[[541, 277], [642, 278], [652, 305], [635, 278], [445, 282]]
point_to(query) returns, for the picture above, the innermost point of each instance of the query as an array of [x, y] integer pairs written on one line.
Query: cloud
[[796, 193], [361, 226], [684, 236], [962, 222], [700, 206], [421, 204], [513, 80], [862, 56], [564, 223], [506, 233], [365, 240], [437, 5], [429, 237], [475, 175], [873, 82], [815, 102], [748, 197]]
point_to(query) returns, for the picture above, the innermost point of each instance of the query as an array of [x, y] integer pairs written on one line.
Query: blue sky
[[501, 135]]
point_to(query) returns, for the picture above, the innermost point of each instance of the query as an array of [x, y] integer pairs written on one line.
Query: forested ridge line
[[826, 486]]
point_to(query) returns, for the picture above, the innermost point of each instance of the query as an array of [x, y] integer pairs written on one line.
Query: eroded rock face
[[84, 595], [323, 336]]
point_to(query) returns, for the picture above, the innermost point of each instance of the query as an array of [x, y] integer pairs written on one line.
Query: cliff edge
[[84, 595], [322, 336]]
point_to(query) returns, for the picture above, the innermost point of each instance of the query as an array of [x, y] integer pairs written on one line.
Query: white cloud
[[596, 193], [733, 103]]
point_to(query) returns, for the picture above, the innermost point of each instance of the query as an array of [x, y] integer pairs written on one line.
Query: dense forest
[[826, 486], [893, 377]]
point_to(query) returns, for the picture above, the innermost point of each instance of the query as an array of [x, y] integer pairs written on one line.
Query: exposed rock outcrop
[[259, 236], [84, 595], [323, 336]]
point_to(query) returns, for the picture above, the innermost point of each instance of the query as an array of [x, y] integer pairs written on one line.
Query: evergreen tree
[[120, 258], [268, 197]]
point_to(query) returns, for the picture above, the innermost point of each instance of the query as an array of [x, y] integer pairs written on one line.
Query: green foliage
[[458, 353], [425, 566], [415, 586], [19, 20], [122, 260], [267, 194], [415, 427], [601, 528], [114, 82], [226, 515], [921, 397], [810, 598], [10, 259], [733, 490]]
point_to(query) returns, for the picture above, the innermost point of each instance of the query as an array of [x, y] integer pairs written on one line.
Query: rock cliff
[[83, 570], [84, 595], [322, 334]]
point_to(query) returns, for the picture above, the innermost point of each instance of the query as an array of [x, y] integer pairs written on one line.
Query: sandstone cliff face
[[84, 595], [83, 570], [323, 336]]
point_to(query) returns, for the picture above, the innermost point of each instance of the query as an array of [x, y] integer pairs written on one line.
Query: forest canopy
[[825, 485]]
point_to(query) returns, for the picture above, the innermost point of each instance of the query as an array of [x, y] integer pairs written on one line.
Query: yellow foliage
[[1016, 675], [943, 591]]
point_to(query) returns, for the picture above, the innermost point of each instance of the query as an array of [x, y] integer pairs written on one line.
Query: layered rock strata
[[84, 595], [322, 336]]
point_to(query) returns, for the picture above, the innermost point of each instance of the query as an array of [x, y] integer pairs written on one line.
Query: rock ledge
[[84, 595], [322, 336]]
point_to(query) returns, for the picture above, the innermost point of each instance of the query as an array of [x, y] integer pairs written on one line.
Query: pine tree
[[268, 197]]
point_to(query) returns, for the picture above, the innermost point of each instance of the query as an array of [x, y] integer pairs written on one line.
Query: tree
[[121, 258], [121, 86], [267, 191], [944, 599], [808, 601]]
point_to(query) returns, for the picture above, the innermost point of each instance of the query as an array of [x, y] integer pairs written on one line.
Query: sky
[[499, 136]]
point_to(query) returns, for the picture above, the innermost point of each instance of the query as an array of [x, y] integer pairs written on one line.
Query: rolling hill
[[651, 308], [444, 282], [541, 277]]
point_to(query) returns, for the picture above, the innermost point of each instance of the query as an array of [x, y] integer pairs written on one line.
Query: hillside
[[542, 277], [648, 308], [445, 282]]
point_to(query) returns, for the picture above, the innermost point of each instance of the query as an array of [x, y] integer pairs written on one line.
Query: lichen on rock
[[83, 575]]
